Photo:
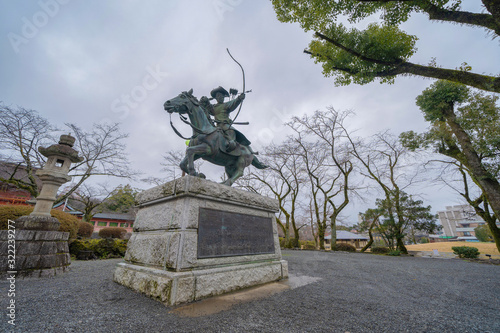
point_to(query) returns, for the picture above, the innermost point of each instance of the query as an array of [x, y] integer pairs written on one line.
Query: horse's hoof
[[201, 175]]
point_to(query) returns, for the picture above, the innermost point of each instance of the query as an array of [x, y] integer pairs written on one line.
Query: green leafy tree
[[465, 127], [121, 200], [369, 220], [343, 227], [401, 214], [483, 233], [382, 51]]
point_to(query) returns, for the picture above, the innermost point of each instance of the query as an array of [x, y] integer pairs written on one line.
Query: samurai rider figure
[[221, 111]]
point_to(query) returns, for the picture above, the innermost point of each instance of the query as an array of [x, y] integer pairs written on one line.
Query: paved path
[[352, 293]]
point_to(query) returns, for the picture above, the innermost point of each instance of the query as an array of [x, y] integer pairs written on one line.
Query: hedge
[[466, 251], [113, 232], [343, 247], [394, 253], [69, 223], [380, 250], [102, 248], [85, 229]]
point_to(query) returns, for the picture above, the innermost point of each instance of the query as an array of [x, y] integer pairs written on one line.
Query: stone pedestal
[[194, 238], [38, 253], [32, 247]]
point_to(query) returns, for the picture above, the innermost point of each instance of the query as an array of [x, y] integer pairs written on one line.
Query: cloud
[[81, 65]]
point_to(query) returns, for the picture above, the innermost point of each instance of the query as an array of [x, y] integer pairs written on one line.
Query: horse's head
[[182, 103]]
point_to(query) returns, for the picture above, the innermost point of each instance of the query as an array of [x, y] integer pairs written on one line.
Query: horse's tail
[[256, 163]]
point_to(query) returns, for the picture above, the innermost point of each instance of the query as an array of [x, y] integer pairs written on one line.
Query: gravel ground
[[357, 293]]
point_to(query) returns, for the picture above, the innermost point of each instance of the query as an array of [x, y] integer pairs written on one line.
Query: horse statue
[[208, 142]]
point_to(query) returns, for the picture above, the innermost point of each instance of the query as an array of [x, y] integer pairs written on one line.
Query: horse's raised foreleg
[[198, 150]]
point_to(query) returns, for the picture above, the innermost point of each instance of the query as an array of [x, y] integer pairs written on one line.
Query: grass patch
[[484, 248]]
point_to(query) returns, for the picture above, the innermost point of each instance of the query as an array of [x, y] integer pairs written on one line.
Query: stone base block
[[172, 288], [194, 239], [34, 222], [33, 253]]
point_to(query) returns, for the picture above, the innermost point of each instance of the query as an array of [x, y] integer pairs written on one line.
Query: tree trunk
[[286, 232], [414, 240], [370, 234], [488, 184], [316, 241], [495, 231], [296, 243], [321, 236], [400, 244], [333, 227]]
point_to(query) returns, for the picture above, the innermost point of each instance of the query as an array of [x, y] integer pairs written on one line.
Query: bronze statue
[[221, 112], [220, 144]]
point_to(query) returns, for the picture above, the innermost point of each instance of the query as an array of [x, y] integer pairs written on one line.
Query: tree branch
[[483, 82], [475, 19], [357, 54]]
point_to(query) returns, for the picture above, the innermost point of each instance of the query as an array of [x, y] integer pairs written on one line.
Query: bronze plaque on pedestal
[[222, 234]]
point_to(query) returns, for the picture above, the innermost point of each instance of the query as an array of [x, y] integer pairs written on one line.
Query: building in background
[[356, 240], [9, 193], [102, 220], [460, 221]]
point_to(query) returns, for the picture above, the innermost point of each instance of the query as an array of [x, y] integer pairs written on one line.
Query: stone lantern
[[42, 250], [53, 175]]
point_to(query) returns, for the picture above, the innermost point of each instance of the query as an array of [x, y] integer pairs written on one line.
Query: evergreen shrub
[[102, 248], [69, 223], [113, 232], [343, 247], [380, 250], [394, 253], [308, 245], [85, 229], [466, 251]]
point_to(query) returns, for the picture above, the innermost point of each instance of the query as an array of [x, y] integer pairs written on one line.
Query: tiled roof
[[342, 234], [115, 216]]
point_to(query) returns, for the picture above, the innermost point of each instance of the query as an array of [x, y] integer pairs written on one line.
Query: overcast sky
[[90, 61]]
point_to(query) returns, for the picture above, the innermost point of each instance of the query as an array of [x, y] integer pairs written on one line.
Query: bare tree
[[389, 164], [171, 161], [328, 162], [23, 131], [284, 180], [90, 199], [170, 166], [320, 185], [103, 150]]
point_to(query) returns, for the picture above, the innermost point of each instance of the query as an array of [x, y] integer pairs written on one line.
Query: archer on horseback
[[214, 139], [221, 111]]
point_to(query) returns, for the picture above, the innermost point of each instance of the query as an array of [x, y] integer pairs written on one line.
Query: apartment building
[[460, 221]]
